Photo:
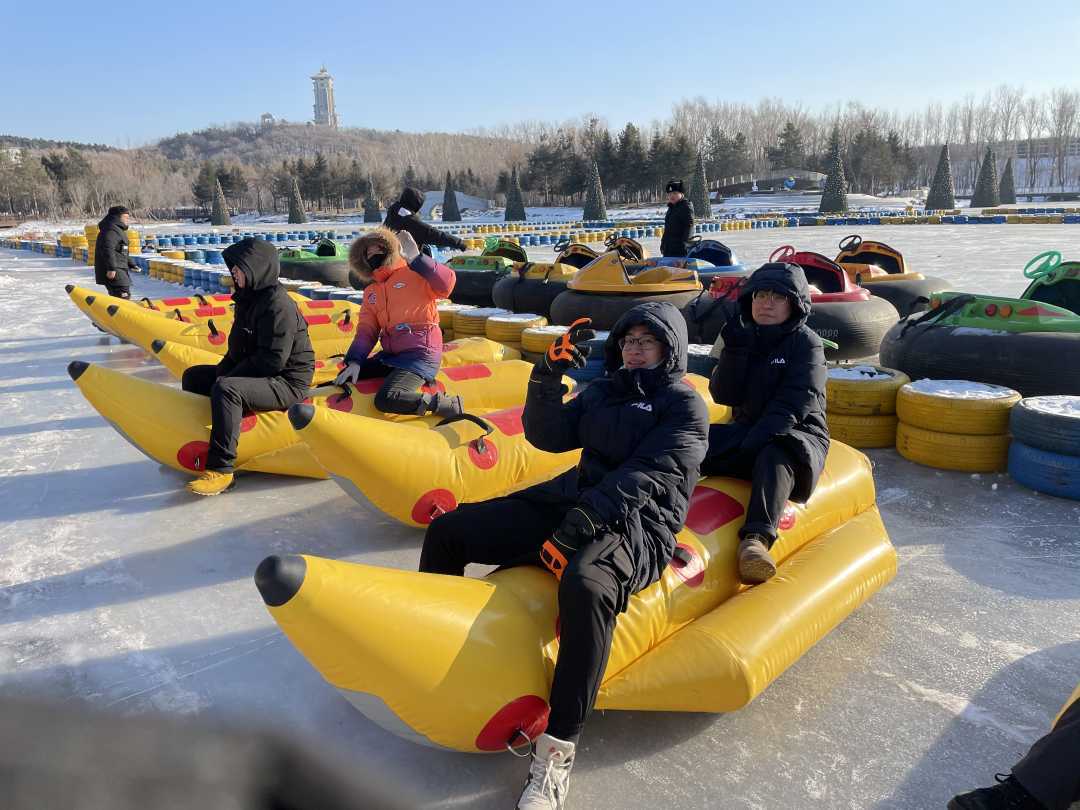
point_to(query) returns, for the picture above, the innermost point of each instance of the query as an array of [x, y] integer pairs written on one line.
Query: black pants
[[771, 473], [230, 399], [400, 393], [1051, 770], [117, 291], [593, 590]]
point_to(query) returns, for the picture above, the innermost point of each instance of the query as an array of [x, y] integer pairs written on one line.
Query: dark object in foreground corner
[[63, 757]]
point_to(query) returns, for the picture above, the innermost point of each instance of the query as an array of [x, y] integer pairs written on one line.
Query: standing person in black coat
[[772, 373], [111, 260], [402, 216], [678, 221], [269, 364], [611, 520]]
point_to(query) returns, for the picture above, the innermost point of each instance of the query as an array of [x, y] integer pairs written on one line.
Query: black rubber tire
[[700, 361], [908, 297], [605, 310], [1046, 431], [1020, 361], [519, 294], [858, 326], [705, 317], [335, 272], [475, 286]]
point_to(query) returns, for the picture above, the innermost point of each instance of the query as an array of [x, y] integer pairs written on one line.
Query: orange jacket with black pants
[[400, 314]]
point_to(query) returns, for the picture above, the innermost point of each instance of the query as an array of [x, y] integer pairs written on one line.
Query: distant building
[[325, 114], [266, 121]]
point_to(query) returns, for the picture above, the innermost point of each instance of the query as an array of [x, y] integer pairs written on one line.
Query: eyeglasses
[[643, 343], [769, 295]]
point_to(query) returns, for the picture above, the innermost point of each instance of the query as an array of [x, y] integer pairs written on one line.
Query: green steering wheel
[[1043, 264]]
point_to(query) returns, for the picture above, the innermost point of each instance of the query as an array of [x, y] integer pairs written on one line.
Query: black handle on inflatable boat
[[479, 443], [149, 303], [202, 299], [176, 312], [213, 329], [851, 242], [936, 315], [348, 317]]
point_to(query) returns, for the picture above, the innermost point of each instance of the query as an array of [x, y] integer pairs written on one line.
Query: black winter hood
[[412, 198], [112, 221], [666, 324], [780, 277], [257, 260]]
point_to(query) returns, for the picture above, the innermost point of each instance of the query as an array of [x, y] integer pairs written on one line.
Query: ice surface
[[1058, 405], [862, 372], [960, 389], [119, 590]]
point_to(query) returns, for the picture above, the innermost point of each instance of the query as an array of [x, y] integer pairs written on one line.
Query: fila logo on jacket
[[778, 361], [645, 406]]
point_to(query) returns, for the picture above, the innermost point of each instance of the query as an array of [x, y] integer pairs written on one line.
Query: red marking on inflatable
[[206, 312], [174, 302], [346, 326], [507, 422], [788, 519], [319, 304], [693, 572], [319, 364], [308, 401], [315, 320], [849, 297], [710, 509], [432, 504], [485, 459], [248, 422], [474, 372], [1037, 310], [437, 388], [192, 456], [221, 297], [369, 386], [339, 402], [218, 339], [527, 715]]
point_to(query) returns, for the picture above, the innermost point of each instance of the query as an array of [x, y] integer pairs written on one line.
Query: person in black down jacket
[[111, 261], [269, 364], [678, 221], [611, 520], [402, 216], [772, 373]]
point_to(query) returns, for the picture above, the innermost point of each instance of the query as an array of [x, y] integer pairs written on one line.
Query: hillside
[[43, 143]]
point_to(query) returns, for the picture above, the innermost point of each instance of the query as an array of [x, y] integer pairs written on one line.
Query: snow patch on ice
[[961, 707], [960, 389], [1062, 405], [859, 373]]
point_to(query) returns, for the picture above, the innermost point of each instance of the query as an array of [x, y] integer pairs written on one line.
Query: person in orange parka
[[399, 312]]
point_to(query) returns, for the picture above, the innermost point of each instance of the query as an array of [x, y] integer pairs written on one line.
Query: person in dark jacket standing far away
[[269, 364], [111, 260], [402, 216], [678, 221], [772, 373], [611, 521]]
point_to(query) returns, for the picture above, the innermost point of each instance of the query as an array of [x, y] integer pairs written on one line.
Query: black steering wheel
[[851, 242], [561, 245]]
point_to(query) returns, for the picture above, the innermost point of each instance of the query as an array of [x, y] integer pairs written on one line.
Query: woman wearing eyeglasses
[[772, 373], [607, 527]]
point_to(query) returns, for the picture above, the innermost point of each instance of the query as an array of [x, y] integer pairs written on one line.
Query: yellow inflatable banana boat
[[92, 304], [466, 664], [173, 426], [414, 478]]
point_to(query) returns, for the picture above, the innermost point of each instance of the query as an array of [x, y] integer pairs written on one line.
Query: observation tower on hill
[[325, 114]]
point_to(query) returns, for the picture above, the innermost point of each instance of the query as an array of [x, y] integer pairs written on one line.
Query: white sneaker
[[549, 774]]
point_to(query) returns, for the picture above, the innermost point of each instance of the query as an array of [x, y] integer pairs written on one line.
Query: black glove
[[569, 351], [579, 527]]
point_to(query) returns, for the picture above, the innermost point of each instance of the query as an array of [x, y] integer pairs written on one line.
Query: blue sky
[[127, 75]]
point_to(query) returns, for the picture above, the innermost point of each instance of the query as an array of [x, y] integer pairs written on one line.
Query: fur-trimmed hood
[[358, 265]]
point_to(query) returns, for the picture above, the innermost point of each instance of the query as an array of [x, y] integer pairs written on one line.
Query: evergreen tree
[[203, 187], [515, 203], [296, 205], [942, 194], [633, 162], [986, 187], [834, 198], [699, 190], [1007, 193], [371, 203], [595, 210], [450, 212], [789, 151], [220, 213]]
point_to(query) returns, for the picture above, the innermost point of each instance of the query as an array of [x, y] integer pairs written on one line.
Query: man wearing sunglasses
[[772, 373]]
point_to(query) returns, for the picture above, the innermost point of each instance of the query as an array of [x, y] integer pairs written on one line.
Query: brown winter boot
[[755, 563]]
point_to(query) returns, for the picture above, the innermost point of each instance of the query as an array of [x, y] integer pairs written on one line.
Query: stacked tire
[[860, 404], [1045, 453], [507, 329], [446, 317], [535, 340], [955, 424], [472, 321]]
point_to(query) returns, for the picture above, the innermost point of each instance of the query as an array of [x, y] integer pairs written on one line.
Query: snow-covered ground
[[118, 589]]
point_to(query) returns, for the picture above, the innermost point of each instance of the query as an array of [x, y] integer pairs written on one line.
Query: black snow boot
[[1007, 794], [445, 405]]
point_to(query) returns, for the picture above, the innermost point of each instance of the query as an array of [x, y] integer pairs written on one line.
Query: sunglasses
[[643, 343]]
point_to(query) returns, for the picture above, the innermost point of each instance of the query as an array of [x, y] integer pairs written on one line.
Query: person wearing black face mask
[[402, 215]]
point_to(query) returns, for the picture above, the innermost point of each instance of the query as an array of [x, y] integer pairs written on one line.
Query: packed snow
[[960, 389], [1066, 406], [862, 372]]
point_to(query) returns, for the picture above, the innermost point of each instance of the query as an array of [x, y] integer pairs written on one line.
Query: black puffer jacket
[[774, 376], [678, 226], [111, 253], [412, 200], [269, 336], [643, 436]]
